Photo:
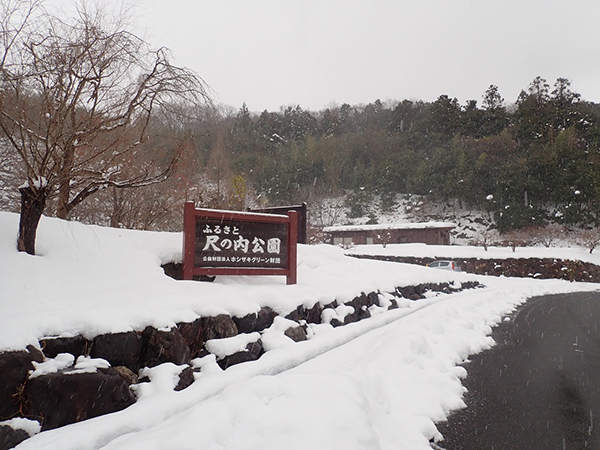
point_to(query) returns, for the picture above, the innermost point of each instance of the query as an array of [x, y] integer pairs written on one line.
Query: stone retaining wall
[[65, 396], [512, 267]]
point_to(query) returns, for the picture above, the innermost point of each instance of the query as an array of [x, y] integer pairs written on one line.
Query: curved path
[[539, 388]]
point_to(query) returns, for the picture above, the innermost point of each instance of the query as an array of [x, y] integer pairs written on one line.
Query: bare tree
[[218, 169], [326, 212], [16, 22], [9, 178], [590, 239], [76, 103], [485, 238]]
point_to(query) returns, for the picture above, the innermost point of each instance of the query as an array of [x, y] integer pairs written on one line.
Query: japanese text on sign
[[240, 245], [233, 243]]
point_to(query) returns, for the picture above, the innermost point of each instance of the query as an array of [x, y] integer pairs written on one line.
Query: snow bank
[[456, 251], [377, 384], [92, 280]]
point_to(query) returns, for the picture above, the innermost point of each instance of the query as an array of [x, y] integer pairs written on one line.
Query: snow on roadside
[[457, 251], [376, 384]]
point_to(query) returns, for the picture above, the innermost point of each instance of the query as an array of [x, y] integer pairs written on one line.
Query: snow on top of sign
[[227, 212], [391, 226]]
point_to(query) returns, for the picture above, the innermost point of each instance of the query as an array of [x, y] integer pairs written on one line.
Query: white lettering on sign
[[217, 229], [241, 244], [242, 259], [274, 245], [224, 244], [258, 245], [211, 243], [214, 243]]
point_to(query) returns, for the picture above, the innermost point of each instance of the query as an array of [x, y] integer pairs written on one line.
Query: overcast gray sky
[[312, 53]]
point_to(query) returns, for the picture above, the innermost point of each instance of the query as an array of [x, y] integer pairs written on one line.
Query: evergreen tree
[[495, 117], [446, 115]]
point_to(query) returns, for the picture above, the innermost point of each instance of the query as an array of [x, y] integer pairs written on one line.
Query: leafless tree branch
[[77, 98]]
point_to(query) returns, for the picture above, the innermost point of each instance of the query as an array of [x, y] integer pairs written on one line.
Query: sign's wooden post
[[292, 241], [236, 243], [189, 239]]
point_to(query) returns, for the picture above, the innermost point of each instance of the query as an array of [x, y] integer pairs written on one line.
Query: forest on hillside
[[535, 160], [526, 163]]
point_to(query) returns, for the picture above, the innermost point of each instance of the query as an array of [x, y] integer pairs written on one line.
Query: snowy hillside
[[380, 383]]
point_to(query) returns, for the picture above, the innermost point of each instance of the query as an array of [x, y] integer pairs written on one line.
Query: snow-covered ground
[[457, 251], [381, 383]]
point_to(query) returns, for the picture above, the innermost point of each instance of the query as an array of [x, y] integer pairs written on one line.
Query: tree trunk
[[64, 184], [33, 201], [64, 192], [116, 215]]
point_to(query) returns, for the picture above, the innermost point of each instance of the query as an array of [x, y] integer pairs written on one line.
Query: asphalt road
[[539, 388]]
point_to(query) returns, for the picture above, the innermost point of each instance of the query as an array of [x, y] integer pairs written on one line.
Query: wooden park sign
[[219, 242]]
